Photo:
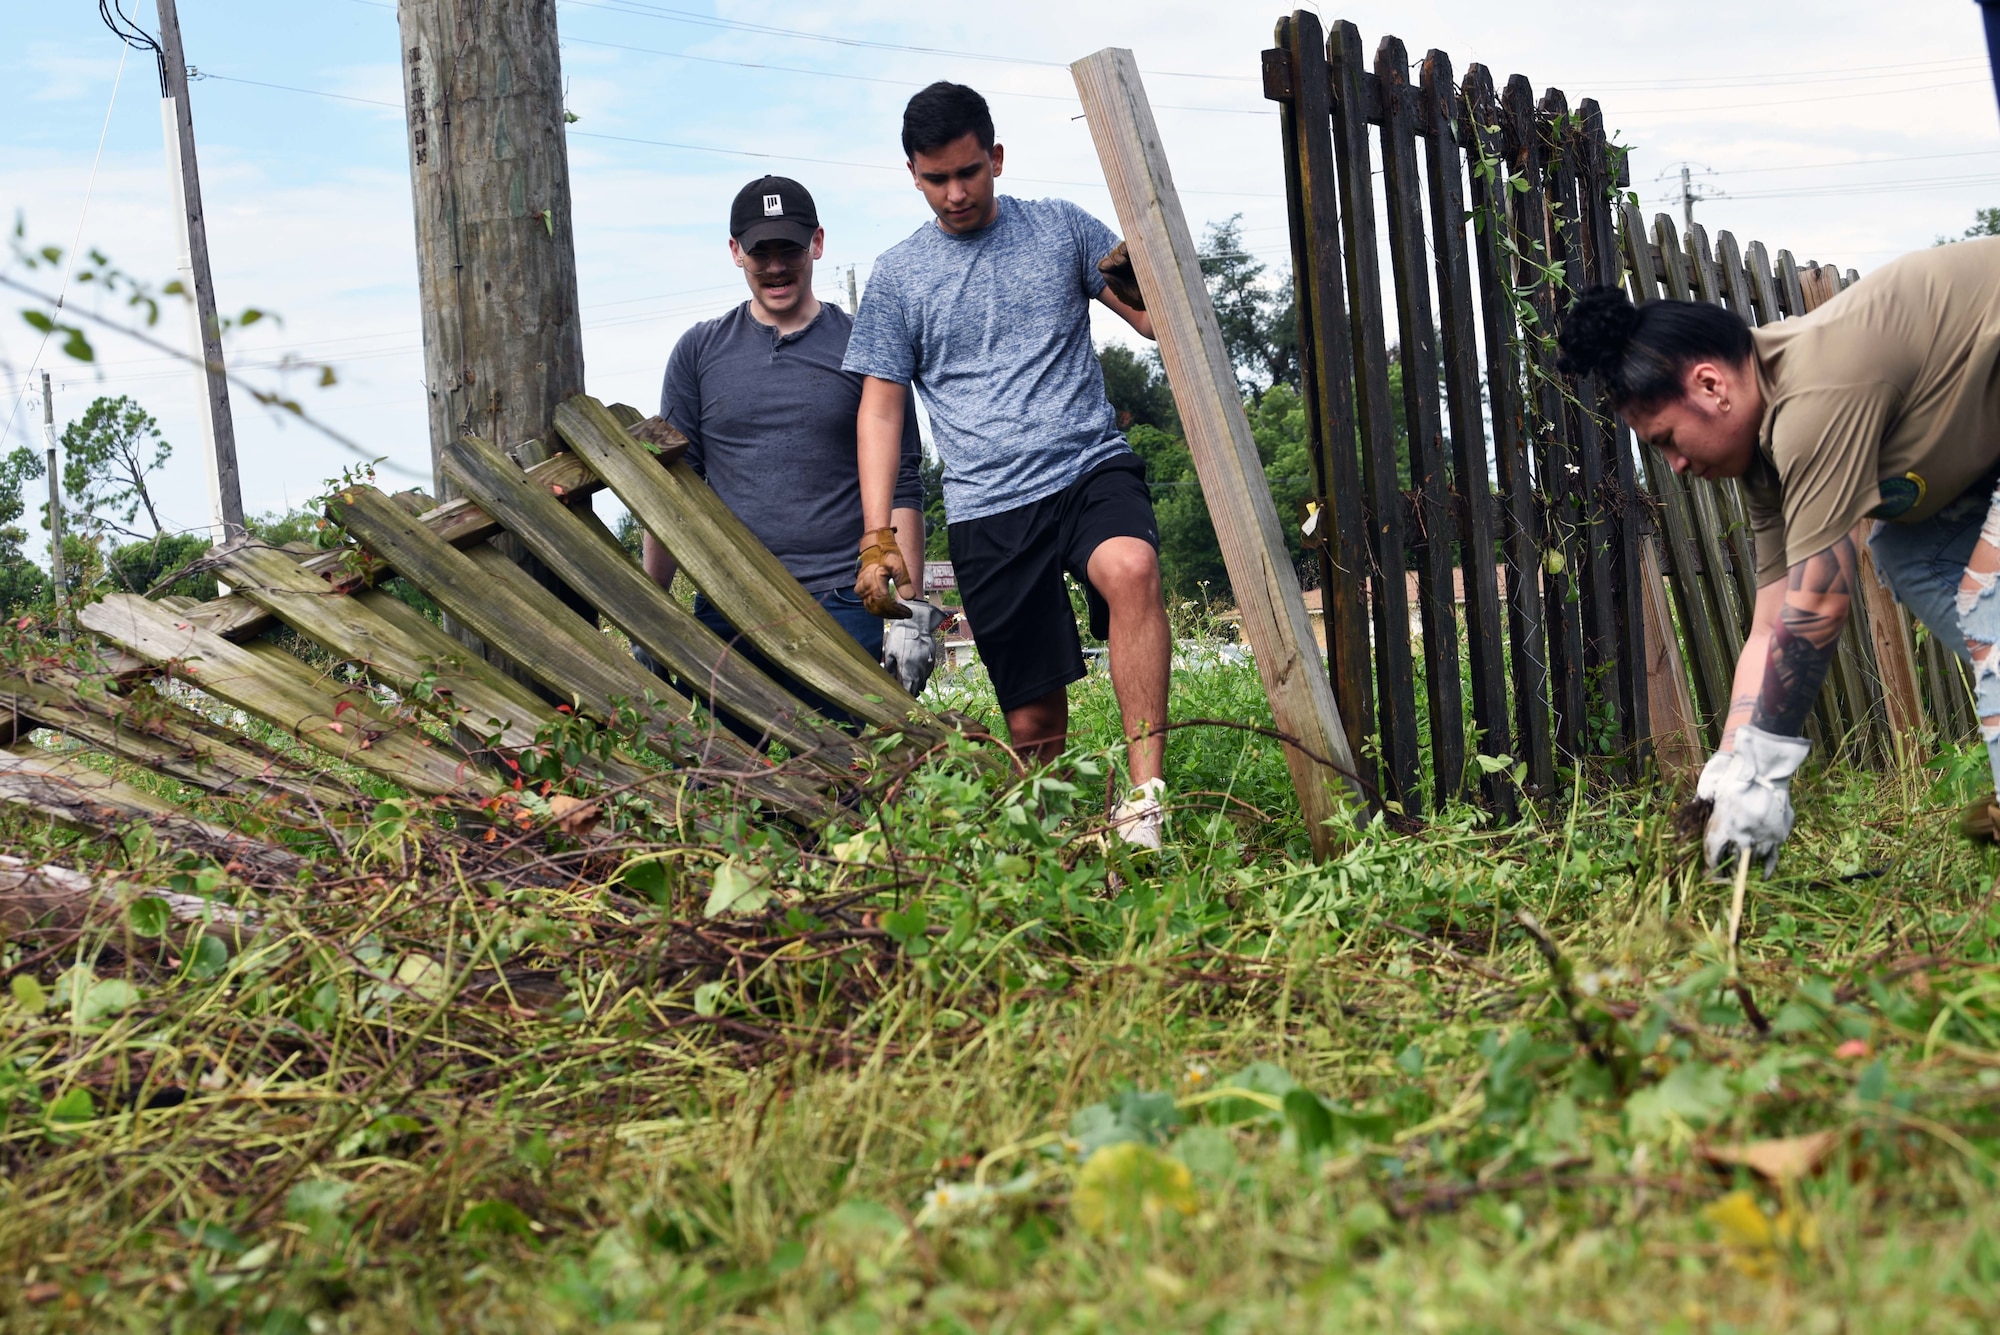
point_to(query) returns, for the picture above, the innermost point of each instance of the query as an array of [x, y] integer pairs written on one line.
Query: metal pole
[[56, 568], [853, 293], [225, 492]]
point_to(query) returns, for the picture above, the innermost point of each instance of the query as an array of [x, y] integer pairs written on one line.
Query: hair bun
[[1595, 334]]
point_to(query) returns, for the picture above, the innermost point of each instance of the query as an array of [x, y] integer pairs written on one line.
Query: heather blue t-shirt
[[770, 419], [993, 328]]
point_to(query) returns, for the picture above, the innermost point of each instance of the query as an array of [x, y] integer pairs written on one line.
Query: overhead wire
[[69, 259]]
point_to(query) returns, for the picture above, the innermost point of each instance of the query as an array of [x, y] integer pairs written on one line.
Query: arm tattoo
[[1802, 644]]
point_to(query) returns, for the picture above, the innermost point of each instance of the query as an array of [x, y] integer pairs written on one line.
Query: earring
[[1723, 406]]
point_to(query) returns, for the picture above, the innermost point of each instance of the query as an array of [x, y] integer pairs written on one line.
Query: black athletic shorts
[[1010, 567]]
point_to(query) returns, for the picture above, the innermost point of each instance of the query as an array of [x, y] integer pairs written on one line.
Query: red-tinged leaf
[[492, 835], [342, 708], [557, 488], [562, 709], [338, 727]]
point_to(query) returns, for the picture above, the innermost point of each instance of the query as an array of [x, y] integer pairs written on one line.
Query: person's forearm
[[1818, 592], [1751, 662], [909, 525], [878, 433], [658, 561]]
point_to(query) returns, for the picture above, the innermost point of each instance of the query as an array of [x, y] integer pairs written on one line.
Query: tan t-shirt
[[1884, 402]]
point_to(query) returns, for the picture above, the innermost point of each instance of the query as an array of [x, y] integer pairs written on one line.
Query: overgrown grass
[[960, 1068]]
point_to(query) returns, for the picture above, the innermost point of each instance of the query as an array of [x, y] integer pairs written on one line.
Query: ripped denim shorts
[[1924, 563]]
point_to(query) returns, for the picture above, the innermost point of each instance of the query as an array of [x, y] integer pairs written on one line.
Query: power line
[[1856, 162], [1762, 78], [710, 148], [69, 260], [1794, 101], [876, 166], [1069, 98], [668, 14], [1874, 188]]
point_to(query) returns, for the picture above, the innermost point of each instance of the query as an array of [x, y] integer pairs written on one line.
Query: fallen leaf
[[1854, 1049], [736, 890], [1129, 1183], [1785, 1159], [1752, 1240], [574, 816], [44, 1292]]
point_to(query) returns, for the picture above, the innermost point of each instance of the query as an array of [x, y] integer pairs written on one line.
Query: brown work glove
[[1118, 276], [883, 571]]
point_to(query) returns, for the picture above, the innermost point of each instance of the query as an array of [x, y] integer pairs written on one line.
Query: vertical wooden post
[[1628, 519], [1527, 152], [1676, 730], [218, 427], [1478, 549], [1527, 615], [57, 570], [1423, 416], [489, 172], [1395, 671], [1326, 366], [1218, 431]]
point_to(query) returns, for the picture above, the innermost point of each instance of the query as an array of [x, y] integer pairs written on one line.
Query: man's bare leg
[[1979, 620], [1039, 728], [1126, 574]]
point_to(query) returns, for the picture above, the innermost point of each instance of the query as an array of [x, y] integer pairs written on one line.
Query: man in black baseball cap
[[770, 416]]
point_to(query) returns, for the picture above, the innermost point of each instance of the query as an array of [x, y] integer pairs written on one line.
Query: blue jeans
[[1925, 564], [845, 608]]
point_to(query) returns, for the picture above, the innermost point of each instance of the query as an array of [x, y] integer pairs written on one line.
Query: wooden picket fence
[[1496, 206], [423, 712]]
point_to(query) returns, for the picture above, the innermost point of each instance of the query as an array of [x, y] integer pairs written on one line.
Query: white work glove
[[909, 645], [1753, 799], [1711, 775]]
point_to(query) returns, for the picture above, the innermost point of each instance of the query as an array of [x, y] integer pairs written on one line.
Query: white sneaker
[[1139, 819]]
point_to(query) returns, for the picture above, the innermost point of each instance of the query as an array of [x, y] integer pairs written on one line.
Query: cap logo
[[774, 207]]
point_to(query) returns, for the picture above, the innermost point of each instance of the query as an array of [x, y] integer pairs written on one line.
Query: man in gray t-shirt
[[986, 311], [769, 414]]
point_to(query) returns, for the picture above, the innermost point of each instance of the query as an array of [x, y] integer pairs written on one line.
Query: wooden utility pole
[[56, 568], [218, 428], [489, 172], [1218, 435]]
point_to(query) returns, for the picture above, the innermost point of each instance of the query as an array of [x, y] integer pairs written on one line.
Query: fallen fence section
[[1624, 592], [1218, 432], [367, 686]]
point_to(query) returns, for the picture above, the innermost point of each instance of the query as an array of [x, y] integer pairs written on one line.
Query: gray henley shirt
[[770, 421]]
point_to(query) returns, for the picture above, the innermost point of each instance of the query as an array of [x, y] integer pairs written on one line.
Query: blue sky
[[1848, 132]]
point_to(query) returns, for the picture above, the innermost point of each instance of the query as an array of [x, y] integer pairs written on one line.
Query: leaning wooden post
[[1218, 432]]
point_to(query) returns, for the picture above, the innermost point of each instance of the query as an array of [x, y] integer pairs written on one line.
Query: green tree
[[1985, 222], [1136, 384], [108, 454], [1259, 322], [22, 582]]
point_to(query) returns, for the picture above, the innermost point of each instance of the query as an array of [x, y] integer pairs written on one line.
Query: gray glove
[[909, 646], [1711, 775], [1753, 799]]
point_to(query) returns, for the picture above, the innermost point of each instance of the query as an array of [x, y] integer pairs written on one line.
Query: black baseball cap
[[773, 208]]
